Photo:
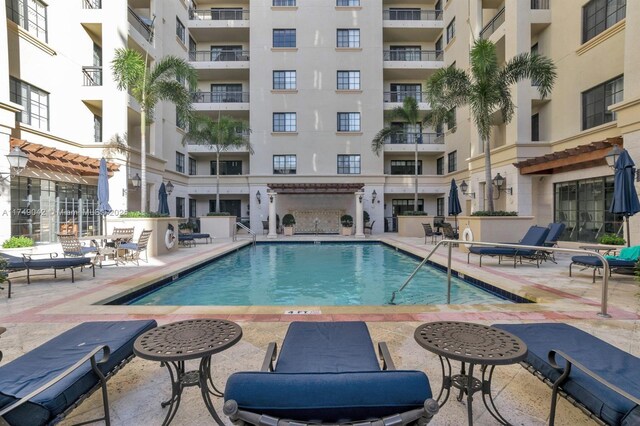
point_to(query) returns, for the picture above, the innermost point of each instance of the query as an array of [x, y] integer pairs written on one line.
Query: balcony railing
[[413, 55], [92, 4], [412, 15], [218, 15], [92, 76], [493, 25], [539, 4], [219, 56], [412, 137], [143, 25], [400, 96], [220, 97]]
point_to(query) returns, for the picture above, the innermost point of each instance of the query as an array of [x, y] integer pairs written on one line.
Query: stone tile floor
[[50, 306]]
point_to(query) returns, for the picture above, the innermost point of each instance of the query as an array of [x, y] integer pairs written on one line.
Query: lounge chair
[[134, 249], [535, 236], [555, 231], [429, 232], [625, 262], [600, 379], [186, 240], [369, 226], [327, 372], [44, 385]]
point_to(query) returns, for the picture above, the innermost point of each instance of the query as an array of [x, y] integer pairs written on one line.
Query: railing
[[285, 3], [401, 95], [412, 15], [219, 97], [539, 4], [145, 29], [493, 25], [413, 55], [449, 243], [242, 226], [92, 76], [219, 56], [413, 137], [92, 4], [218, 15]]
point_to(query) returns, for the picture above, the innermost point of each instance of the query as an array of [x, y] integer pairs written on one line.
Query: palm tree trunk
[[218, 182], [415, 194], [487, 174], [143, 158]]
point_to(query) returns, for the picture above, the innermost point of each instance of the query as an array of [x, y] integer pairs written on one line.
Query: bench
[[44, 385]]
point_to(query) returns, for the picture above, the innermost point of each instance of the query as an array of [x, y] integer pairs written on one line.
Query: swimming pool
[[327, 274]]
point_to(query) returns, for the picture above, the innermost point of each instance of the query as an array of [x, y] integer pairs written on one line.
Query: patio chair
[[625, 262], [265, 227], [448, 232], [555, 231], [44, 385], [134, 249], [369, 226], [600, 379], [429, 232], [71, 246], [535, 236], [327, 372]]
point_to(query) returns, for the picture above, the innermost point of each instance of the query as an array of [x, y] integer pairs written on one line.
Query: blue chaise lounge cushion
[[597, 263], [42, 364], [614, 365]]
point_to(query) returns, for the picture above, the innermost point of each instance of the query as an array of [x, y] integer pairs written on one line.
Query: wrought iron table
[[173, 344], [471, 344]]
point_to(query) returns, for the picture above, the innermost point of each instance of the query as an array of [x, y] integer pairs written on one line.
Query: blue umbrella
[[625, 197], [454, 201], [163, 204], [103, 191]]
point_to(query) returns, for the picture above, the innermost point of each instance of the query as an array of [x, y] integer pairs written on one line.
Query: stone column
[[271, 197], [359, 216]]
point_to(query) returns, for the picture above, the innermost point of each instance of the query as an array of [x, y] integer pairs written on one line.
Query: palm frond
[[448, 87], [377, 143], [170, 68], [128, 68], [538, 68], [221, 134], [484, 61]]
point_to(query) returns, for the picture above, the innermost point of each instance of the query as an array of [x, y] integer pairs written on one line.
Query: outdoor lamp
[[374, 194], [464, 188], [360, 198], [498, 181], [270, 196], [136, 181], [613, 155], [258, 196], [169, 188], [17, 162]]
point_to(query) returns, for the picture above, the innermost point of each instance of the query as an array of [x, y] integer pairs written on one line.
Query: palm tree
[[486, 89], [163, 82], [221, 135]]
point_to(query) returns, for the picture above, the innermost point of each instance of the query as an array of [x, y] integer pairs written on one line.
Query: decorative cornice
[[600, 38], [22, 33]]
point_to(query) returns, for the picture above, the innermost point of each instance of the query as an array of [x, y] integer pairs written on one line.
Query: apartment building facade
[[315, 80]]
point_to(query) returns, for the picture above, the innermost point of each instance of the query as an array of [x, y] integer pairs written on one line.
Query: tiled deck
[[47, 307]]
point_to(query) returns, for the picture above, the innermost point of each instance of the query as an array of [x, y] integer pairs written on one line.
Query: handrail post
[[449, 245], [605, 290]]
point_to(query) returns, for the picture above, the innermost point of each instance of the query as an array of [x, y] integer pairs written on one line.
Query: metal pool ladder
[[246, 228]]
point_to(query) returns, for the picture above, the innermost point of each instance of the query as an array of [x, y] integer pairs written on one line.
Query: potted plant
[[612, 239], [18, 244], [365, 217], [347, 224], [287, 222]]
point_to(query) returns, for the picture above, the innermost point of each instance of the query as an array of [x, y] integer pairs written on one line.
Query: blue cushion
[[596, 262], [185, 237], [14, 262], [130, 246], [329, 397], [535, 236], [58, 263], [500, 251], [197, 235], [614, 365], [35, 368], [327, 347]]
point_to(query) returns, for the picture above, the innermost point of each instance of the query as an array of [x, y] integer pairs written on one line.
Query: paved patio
[[48, 307]]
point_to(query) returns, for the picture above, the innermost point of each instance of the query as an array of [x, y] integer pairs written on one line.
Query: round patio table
[[173, 344], [472, 344]]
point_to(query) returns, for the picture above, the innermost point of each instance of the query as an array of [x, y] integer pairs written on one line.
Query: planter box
[[18, 251], [494, 229], [218, 226], [346, 231], [411, 226], [159, 226], [288, 231]]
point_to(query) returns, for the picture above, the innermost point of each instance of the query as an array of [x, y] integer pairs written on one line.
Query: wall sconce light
[[612, 156], [464, 188], [17, 162], [374, 195], [258, 197], [169, 188], [360, 198], [136, 182], [498, 181], [270, 197]]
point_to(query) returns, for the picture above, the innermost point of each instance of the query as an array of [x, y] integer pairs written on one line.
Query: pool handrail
[[605, 265], [246, 228]]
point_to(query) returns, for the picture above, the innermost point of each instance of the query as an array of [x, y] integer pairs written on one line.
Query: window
[[30, 15], [401, 91], [284, 2], [224, 93], [595, 102], [348, 38], [193, 47], [285, 122], [404, 14], [348, 121], [193, 170], [192, 208], [179, 162], [227, 167], [348, 3], [348, 164], [598, 15], [97, 128], [452, 162], [284, 80], [181, 123], [438, 45], [180, 33], [401, 206], [535, 127], [34, 101], [405, 167], [348, 80], [440, 206], [453, 122], [440, 166], [284, 38], [227, 53], [451, 30], [179, 207], [407, 53], [284, 164]]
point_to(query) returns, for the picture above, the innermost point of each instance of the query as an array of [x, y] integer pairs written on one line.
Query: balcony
[[219, 24], [394, 99], [144, 26], [539, 4], [221, 65], [540, 16], [218, 15], [493, 25], [406, 142], [411, 64], [413, 56], [92, 4], [92, 76], [219, 56], [411, 15], [220, 97], [401, 25]]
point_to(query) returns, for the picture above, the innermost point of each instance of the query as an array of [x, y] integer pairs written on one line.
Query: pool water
[[327, 274]]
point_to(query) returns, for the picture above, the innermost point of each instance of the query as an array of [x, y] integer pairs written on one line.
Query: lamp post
[[17, 162]]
